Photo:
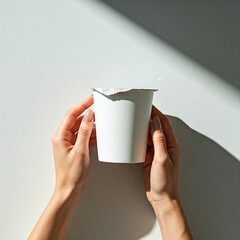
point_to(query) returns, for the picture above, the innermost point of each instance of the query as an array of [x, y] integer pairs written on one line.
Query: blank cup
[[122, 121]]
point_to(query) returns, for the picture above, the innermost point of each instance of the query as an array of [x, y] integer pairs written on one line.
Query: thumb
[[160, 151], [85, 130]]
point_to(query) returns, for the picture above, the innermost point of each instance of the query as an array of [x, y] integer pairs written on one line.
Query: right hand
[[161, 166], [71, 148]]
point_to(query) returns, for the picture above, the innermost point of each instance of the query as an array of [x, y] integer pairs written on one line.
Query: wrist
[[165, 203], [67, 189], [65, 195], [171, 218]]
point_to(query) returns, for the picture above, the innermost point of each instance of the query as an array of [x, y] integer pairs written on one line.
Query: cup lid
[[111, 91]]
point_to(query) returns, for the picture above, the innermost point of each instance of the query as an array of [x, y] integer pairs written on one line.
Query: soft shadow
[[206, 31], [113, 205], [209, 185]]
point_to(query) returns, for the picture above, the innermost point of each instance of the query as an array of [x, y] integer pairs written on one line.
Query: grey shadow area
[[209, 185], [206, 31], [113, 205]]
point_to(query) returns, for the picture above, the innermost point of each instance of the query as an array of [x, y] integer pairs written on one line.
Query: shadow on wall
[[209, 186], [206, 31], [114, 204]]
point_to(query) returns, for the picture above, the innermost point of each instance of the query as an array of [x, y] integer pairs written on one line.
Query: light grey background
[[53, 52]]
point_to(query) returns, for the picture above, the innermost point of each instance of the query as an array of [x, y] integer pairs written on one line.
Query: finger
[[92, 136], [93, 133], [160, 151], [71, 115], [78, 122], [171, 140], [84, 132]]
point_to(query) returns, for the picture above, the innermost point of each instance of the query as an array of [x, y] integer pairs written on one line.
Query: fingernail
[[89, 115], [156, 123]]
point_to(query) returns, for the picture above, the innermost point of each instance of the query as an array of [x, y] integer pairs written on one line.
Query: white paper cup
[[122, 122]]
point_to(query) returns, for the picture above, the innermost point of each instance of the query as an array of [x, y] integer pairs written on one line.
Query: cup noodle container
[[122, 118]]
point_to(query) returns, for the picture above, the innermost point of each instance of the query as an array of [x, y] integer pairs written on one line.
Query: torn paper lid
[[110, 91]]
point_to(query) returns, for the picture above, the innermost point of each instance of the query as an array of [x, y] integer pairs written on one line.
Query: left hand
[[71, 148], [162, 160]]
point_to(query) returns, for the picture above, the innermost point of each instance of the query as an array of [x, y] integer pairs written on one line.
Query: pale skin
[[160, 171], [71, 143]]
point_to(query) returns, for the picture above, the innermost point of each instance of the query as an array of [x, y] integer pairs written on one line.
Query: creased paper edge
[[112, 91]]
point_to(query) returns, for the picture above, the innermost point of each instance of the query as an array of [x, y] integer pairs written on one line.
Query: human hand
[[161, 166], [71, 157], [71, 148]]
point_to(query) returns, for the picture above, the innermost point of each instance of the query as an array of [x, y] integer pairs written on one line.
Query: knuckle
[[159, 137], [161, 159], [69, 112], [83, 131], [82, 154], [55, 139]]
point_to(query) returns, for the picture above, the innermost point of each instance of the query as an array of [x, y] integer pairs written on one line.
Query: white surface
[[121, 137], [52, 52]]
